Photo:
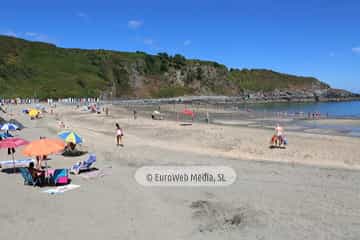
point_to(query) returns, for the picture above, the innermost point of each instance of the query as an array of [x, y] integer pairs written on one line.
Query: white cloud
[[148, 41], [356, 50], [135, 24], [187, 42], [30, 34], [42, 38], [81, 15], [39, 37]]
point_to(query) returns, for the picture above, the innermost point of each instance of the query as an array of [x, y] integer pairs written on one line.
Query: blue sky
[[312, 38]]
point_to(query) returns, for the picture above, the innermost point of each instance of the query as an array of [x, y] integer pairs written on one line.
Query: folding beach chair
[[17, 163], [28, 179], [83, 166], [61, 176]]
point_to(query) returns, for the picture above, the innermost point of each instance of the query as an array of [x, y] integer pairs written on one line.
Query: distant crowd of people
[[50, 101], [317, 115], [18, 101], [75, 100], [310, 115]]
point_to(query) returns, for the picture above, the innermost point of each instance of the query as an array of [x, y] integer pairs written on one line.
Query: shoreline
[[241, 142], [220, 100]]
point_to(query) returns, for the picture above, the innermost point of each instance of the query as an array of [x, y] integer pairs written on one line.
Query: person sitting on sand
[[61, 124], [119, 135], [71, 146], [36, 173]]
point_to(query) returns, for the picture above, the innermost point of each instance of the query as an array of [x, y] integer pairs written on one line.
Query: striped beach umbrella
[[5, 135], [70, 136], [9, 127]]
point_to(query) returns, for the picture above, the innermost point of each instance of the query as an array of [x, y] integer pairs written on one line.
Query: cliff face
[[44, 70]]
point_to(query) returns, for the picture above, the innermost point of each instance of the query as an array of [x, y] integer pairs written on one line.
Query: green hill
[[44, 70]]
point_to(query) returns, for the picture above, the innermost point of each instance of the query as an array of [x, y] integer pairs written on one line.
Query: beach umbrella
[[17, 123], [13, 143], [39, 107], [43, 146], [5, 135], [70, 136], [33, 112], [188, 112], [9, 127]]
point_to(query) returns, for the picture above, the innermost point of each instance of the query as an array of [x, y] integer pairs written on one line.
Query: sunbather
[[70, 147]]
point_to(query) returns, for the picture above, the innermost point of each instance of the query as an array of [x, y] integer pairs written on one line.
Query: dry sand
[[311, 190]]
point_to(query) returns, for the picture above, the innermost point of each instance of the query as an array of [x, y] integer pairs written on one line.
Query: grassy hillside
[[44, 70]]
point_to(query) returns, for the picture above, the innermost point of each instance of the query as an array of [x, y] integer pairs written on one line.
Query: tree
[[163, 56], [179, 60]]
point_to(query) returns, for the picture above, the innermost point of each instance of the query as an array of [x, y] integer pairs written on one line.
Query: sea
[[349, 109], [340, 110]]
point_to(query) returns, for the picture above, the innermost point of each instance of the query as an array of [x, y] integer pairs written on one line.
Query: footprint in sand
[[217, 216]]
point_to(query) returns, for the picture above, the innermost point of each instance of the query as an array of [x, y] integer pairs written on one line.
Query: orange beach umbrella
[[44, 147]]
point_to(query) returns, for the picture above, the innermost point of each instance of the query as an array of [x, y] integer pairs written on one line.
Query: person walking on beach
[[10, 150], [119, 135], [279, 131]]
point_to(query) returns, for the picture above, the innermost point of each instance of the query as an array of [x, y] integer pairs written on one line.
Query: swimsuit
[[118, 132]]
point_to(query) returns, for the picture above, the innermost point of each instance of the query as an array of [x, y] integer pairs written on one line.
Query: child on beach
[[119, 135]]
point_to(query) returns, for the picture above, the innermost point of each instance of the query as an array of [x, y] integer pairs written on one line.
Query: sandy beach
[[310, 190]]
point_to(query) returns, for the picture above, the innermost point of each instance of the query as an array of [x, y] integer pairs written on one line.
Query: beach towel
[[62, 189]]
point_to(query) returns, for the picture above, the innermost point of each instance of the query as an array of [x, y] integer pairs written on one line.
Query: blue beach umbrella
[[5, 135], [9, 127], [70, 136]]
